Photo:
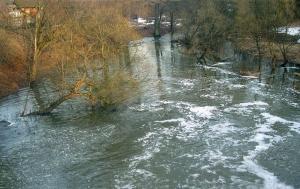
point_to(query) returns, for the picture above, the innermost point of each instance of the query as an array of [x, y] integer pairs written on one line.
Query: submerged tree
[[249, 21], [203, 29], [81, 60]]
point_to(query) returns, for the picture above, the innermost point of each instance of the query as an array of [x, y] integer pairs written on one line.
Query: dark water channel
[[231, 125]]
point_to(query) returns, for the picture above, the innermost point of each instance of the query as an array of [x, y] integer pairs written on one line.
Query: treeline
[[79, 49], [258, 26]]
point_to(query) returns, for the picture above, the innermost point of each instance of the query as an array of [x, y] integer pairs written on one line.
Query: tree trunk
[[75, 92], [284, 55], [54, 105], [201, 59], [172, 22], [33, 66], [258, 45], [157, 21], [36, 48]]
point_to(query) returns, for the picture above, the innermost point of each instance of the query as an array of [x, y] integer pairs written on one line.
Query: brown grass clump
[[12, 62]]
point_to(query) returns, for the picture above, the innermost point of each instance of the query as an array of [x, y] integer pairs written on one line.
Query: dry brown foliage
[[13, 68], [83, 56]]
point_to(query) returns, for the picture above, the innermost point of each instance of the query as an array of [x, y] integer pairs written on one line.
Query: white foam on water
[[256, 103], [187, 83], [183, 107], [270, 180], [189, 129], [211, 96], [11, 124], [216, 157], [166, 102], [151, 143], [226, 71], [271, 119], [143, 172], [265, 138], [220, 70], [204, 111], [222, 63], [247, 107], [223, 128], [218, 96], [121, 185], [237, 86], [170, 120], [153, 107], [182, 129]]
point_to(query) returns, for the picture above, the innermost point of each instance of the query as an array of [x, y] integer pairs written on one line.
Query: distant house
[[15, 15], [22, 11], [13, 11]]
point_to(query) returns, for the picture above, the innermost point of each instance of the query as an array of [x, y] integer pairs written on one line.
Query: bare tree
[[81, 60], [283, 16], [204, 30]]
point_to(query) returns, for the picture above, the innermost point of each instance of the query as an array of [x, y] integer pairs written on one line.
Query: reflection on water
[[158, 54], [234, 124]]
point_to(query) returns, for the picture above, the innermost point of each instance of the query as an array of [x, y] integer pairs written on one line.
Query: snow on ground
[[291, 31], [141, 20]]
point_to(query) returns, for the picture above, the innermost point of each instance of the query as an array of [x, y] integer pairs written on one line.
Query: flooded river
[[231, 125]]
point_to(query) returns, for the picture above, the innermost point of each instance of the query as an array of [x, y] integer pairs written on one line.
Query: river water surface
[[230, 125]]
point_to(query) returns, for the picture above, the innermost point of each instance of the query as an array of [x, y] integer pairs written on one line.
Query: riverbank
[[269, 50], [13, 57]]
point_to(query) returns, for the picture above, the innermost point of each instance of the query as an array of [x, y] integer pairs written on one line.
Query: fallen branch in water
[[75, 92]]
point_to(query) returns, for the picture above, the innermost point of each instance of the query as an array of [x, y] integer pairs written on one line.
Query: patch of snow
[[249, 77], [290, 30], [166, 23], [141, 20], [150, 22]]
